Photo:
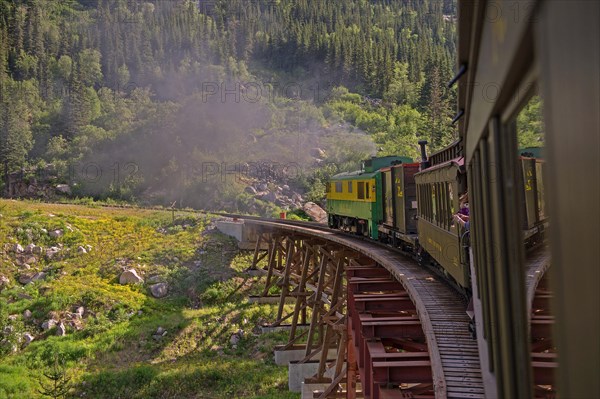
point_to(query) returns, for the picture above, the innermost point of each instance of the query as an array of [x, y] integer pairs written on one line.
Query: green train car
[[399, 201], [354, 199]]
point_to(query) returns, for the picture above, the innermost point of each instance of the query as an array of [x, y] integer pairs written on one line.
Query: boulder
[[250, 190], [4, 282], [130, 276], [159, 290], [37, 250], [80, 311], [29, 248], [39, 276], [30, 260], [27, 338], [27, 314], [51, 252], [81, 250], [63, 189], [25, 278], [263, 187], [61, 330], [56, 233], [88, 248], [315, 212], [18, 249], [48, 324], [161, 331]]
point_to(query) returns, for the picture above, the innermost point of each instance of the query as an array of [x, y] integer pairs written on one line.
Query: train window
[[338, 187], [367, 190], [349, 186], [361, 190]]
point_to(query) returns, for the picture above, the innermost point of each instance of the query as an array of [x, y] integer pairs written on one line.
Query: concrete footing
[[297, 353], [308, 389]]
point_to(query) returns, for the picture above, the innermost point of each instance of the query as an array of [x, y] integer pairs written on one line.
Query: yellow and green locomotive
[[354, 199]]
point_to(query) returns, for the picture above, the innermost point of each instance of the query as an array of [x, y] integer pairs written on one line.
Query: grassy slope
[[113, 354]]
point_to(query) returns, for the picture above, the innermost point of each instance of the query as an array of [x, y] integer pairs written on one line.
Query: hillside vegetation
[[105, 337], [145, 100]]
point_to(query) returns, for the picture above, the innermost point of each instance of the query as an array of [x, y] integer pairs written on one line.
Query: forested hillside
[[136, 99]]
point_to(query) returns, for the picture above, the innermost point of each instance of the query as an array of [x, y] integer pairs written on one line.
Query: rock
[[80, 311], [268, 196], [25, 278], [51, 252], [157, 337], [27, 314], [81, 250], [159, 290], [130, 276], [154, 279], [39, 276], [48, 324], [27, 338], [30, 259], [285, 187], [25, 266], [4, 282], [250, 190], [161, 331], [234, 339], [61, 330], [263, 187], [37, 250], [140, 312], [70, 228], [56, 233], [89, 248], [63, 189], [29, 248], [17, 248], [315, 212]]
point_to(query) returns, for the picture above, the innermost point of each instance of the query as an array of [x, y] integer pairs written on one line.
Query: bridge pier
[[349, 307]]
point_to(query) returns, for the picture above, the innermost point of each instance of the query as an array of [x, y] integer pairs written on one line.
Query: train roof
[[459, 162]]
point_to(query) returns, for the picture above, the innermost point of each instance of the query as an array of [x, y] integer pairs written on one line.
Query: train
[[411, 206]]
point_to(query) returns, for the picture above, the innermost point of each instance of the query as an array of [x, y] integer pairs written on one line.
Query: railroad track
[[453, 354]]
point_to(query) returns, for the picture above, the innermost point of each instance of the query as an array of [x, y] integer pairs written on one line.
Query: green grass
[[111, 353]]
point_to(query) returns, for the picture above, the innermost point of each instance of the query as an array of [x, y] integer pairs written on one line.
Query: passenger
[[462, 217]]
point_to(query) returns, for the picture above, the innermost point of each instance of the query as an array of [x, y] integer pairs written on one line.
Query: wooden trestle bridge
[[366, 321]]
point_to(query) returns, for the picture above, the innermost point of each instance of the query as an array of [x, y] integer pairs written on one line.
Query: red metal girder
[[541, 345], [541, 327], [405, 344], [392, 329], [544, 357], [541, 301], [395, 393], [390, 304], [543, 372], [398, 372], [372, 285], [366, 272]]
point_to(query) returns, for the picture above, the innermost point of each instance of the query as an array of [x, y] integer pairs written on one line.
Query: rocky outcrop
[[315, 212], [130, 276]]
